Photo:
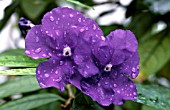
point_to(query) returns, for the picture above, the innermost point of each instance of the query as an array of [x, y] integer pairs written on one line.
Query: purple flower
[[78, 54], [61, 33], [117, 59]]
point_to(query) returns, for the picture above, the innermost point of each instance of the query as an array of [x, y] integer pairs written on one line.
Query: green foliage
[[17, 58], [33, 8], [31, 102], [154, 52], [154, 96], [18, 85], [26, 71], [79, 3], [83, 102]]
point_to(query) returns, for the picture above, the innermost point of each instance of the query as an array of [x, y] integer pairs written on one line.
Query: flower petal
[[113, 88], [124, 44], [130, 66], [55, 72], [37, 44]]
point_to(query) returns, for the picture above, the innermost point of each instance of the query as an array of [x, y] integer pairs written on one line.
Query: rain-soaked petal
[[114, 88], [124, 44], [38, 45], [54, 73], [130, 66], [66, 24]]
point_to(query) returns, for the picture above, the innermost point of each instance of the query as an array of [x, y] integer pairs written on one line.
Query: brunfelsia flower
[[117, 59], [78, 54]]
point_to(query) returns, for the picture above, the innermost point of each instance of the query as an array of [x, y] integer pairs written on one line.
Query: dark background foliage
[[154, 49]]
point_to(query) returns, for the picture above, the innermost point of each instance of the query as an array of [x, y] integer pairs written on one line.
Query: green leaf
[[142, 23], [18, 85], [31, 102], [145, 107], [33, 8], [17, 58], [154, 53], [155, 96], [83, 102], [79, 3], [26, 71]]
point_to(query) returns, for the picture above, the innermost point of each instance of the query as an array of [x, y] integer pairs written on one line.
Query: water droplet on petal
[[38, 50], [27, 52], [79, 20], [131, 86], [36, 39], [49, 54], [138, 67], [134, 93], [94, 26], [46, 75], [71, 15], [58, 79], [42, 85], [115, 85], [51, 18], [56, 22], [56, 72], [133, 75], [44, 55], [81, 30], [133, 70], [61, 62]]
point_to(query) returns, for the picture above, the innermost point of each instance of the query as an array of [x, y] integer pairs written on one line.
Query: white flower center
[[108, 67], [67, 51]]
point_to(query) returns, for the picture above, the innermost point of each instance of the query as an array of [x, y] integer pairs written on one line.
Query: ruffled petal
[[130, 66], [37, 44], [124, 44], [115, 88], [54, 73]]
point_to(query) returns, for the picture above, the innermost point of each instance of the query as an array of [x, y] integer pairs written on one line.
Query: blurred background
[[148, 19]]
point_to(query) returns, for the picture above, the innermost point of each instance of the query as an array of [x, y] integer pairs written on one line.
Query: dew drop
[[42, 85], [58, 79], [44, 55], [94, 26], [46, 75], [49, 54], [133, 70], [56, 72], [79, 20], [138, 67], [134, 93], [46, 32], [81, 30], [61, 62], [131, 86], [51, 18], [36, 39], [71, 15], [133, 75], [38, 50], [115, 85], [56, 22], [27, 52]]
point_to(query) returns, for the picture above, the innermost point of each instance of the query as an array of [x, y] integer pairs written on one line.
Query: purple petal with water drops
[[38, 45], [54, 73], [113, 88], [60, 22], [130, 66], [84, 60], [124, 44]]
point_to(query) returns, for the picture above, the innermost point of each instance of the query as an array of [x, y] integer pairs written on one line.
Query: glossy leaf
[[83, 102], [18, 85], [154, 96], [33, 8], [26, 71], [31, 102], [79, 3], [17, 58], [154, 53]]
